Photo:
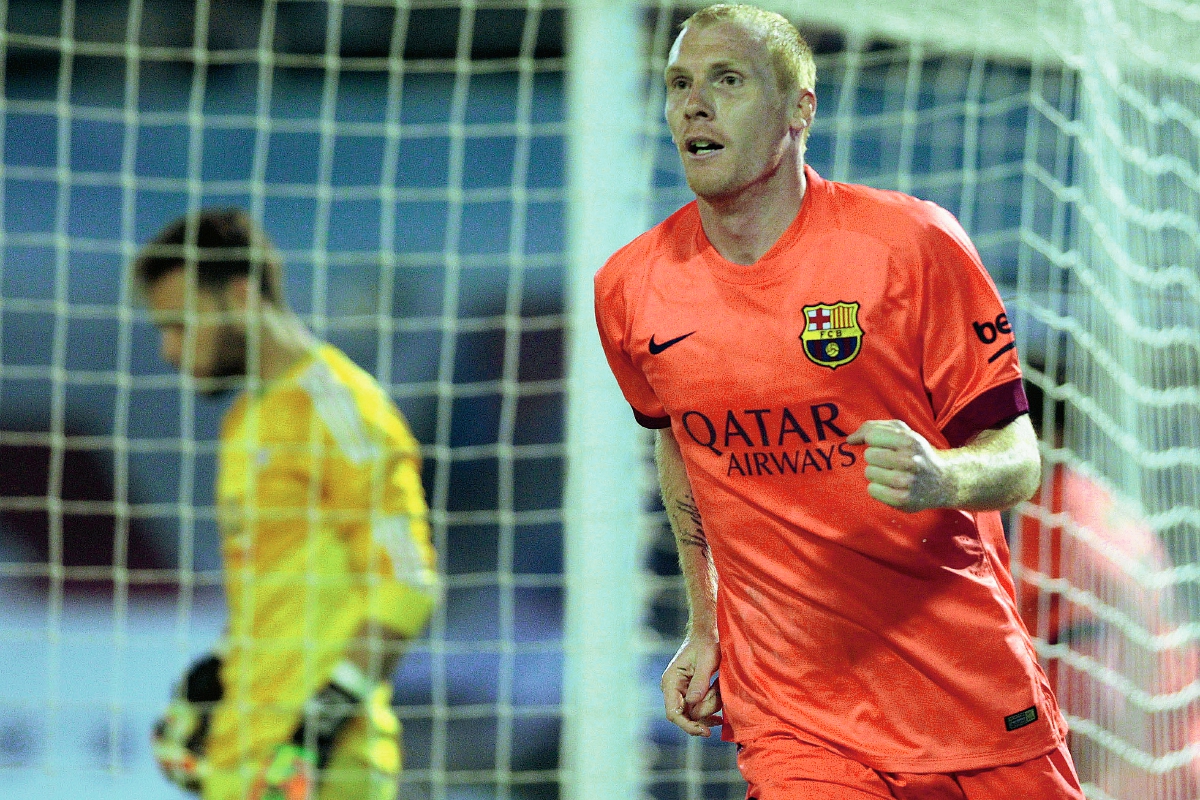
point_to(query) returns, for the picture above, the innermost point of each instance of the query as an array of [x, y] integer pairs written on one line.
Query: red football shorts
[[781, 767]]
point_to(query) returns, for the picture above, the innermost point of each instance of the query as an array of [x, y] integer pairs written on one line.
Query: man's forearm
[[994, 471], [997, 469], [695, 560]]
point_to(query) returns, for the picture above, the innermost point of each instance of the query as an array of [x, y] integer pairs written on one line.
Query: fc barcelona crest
[[831, 335]]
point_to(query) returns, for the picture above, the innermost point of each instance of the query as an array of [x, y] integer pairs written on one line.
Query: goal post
[[607, 200]]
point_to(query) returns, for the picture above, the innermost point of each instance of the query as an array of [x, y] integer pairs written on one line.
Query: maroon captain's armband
[[995, 408], [653, 423]]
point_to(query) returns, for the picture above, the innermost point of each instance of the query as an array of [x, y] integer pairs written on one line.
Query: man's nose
[[698, 103]]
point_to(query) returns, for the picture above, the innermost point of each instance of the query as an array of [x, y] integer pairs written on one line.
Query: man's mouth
[[701, 146]]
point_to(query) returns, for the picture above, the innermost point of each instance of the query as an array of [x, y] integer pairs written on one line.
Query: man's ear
[[805, 109]]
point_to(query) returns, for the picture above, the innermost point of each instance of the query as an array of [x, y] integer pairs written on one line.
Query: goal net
[[441, 179], [1066, 138], [1107, 291], [406, 160]]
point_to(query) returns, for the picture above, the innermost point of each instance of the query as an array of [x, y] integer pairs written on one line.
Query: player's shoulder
[[891, 215], [234, 417], [330, 365], [351, 404], [672, 239], [330, 373]]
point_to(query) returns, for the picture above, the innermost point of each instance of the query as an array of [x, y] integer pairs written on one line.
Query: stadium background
[[84, 670]]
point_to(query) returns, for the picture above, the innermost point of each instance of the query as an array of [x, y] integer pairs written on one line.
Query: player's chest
[[816, 331], [241, 457], [260, 478]]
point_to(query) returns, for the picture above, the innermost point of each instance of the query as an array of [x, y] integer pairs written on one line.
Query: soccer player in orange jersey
[[327, 563], [840, 417]]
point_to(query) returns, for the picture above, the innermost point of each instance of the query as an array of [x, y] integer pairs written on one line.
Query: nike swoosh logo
[[656, 348]]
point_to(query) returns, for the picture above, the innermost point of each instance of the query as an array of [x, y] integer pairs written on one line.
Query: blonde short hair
[[790, 54]]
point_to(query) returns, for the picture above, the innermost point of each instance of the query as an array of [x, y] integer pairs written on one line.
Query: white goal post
[[607, 197]]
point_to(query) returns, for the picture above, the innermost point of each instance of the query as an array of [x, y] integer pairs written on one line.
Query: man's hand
[[691, 696], [294, 768], [903, 468]]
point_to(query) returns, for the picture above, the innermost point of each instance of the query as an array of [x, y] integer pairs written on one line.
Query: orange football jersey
[[891, 638]]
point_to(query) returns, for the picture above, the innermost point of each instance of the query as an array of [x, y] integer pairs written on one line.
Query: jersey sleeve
[[612, 320], [390, 544], [375, 500], [969, 357]]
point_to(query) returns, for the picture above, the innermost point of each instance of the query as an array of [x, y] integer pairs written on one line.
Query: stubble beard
[[229, 365], [732, 186], [711, 187]]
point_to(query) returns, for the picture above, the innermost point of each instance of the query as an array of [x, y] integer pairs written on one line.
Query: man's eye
[[731, 80]]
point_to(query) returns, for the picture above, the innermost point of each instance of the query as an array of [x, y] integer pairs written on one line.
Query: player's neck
[[744, 226], [284, 342]]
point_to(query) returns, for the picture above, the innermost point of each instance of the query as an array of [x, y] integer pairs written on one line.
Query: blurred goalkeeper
[[328, 565]]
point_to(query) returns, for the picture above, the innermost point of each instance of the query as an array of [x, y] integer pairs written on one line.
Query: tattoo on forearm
[[692, 534]]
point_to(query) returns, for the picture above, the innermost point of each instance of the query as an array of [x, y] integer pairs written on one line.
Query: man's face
[[728, 117], [205, 329]]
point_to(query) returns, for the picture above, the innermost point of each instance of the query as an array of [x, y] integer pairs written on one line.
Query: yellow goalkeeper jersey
[[324, 527]]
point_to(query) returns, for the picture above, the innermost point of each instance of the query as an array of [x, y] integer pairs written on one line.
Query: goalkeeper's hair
[[790, 53], [227, 244]]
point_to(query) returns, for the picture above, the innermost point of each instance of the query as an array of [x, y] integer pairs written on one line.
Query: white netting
[[1110, 269], [386, 148], [1065, 137], [408, 160]]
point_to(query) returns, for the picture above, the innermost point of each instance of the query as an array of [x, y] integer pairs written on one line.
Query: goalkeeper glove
[[289, 775], [293, 769], [178, 739]]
